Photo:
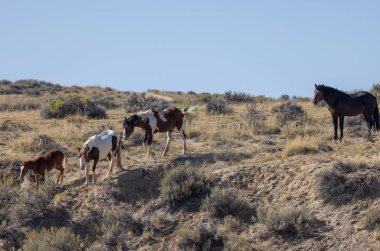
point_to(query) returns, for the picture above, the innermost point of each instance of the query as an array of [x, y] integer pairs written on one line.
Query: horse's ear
[[323, 85], [315, 85], [78, 148]]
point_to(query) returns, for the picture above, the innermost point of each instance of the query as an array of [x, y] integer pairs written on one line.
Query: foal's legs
[[60, 175], [341, 125], [335, 122], [168, 139]]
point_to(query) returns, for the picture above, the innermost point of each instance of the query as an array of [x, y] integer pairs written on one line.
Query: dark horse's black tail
[[376, 118]]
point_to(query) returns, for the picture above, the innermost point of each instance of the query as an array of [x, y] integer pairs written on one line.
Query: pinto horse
[[97, 147], [152, 122], [45, 163], [342, 104]]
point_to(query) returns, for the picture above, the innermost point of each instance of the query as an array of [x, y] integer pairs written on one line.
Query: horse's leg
[[111, 156], [93, 171], [183, 136], [149, 143], [168, 139], [60, 176], [86, 166], [145, 139], [335, 122], [341, 125], [118, 157]]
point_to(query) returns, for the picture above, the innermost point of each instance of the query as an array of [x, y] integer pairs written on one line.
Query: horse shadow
[[195, 160]]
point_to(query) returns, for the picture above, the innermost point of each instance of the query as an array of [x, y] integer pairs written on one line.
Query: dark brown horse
[[152, 121], [342, 104]]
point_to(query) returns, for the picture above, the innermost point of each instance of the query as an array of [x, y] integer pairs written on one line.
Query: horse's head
[[129, 125], [83, 156], [24, 169], [318, 93]]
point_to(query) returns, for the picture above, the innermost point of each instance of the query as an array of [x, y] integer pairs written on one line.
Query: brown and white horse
[[45, 163], [97, 147], [152, 122]]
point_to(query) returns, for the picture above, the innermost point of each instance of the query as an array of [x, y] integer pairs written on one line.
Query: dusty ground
[[263, 175]]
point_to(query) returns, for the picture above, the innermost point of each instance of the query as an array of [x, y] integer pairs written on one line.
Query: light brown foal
[[45, 163]]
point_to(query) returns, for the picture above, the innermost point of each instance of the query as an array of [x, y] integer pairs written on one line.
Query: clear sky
[[259, 47]]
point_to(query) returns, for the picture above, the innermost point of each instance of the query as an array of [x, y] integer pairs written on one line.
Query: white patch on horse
[[21, 169], [82, 162], [103, 142], [162, 117], [152, 119]]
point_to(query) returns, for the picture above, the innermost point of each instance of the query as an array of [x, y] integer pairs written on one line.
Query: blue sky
[[259, 47]]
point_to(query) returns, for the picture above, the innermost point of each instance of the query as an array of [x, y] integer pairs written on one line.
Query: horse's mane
[[144, 114], [91, 139], [332, 90]]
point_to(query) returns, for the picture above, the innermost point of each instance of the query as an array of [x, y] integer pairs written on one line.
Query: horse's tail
[[188, 111], [376, 118]]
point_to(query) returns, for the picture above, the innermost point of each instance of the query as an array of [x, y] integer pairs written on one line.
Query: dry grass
[[51, 240], [371, 218], [300, 146], [248, 154]]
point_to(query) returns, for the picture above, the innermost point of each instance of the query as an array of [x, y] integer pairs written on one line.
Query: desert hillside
[[260, 174]]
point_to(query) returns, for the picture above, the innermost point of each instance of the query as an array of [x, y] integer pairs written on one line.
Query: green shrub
[[346, 181], [238, 97], [230, 231], [286, 112], [8, 195], [217, 106], [115, 225], [31, 207], [356, 126], [256, 118], [72, 104], [107, 102], [288, 221], [52, 239], [4, 107], [182, 183], [139, 102], [29, 87], [199, 238], [226, 201]]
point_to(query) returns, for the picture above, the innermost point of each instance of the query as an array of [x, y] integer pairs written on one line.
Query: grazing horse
[[152, 121], [342, 104], [97, 147], [45, 163]]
